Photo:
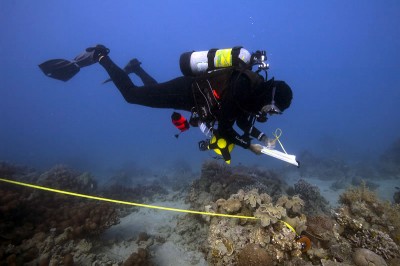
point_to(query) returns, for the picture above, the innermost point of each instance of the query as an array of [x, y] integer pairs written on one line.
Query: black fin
[[60, 69]]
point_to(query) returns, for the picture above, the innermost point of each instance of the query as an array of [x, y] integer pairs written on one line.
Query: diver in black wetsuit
[[243, 96]]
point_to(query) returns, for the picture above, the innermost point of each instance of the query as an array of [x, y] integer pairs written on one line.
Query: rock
[[44, 260], [254, 255], [68, 260], [365, 257]]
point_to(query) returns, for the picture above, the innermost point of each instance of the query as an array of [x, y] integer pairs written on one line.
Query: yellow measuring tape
[[124, 202], [288, 226]]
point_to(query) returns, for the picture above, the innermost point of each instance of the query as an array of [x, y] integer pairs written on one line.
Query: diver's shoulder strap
[[254, 77]]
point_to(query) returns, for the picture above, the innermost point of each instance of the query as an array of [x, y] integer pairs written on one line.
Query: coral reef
[[314, 203], [40, 227], [232, 242], [53, 249], [363, 205], [26, 211], [365, 257], [269, 214], [297, 228], [334, 235], [321, 229], [299, 223], [294, 204], [139, 258], [138, 193], [220, 181], [62, 177], [396, 196], [376, 241], [358, 181], [254, 255], [389, 162], [366, 222], [359, 236], [193, 230]]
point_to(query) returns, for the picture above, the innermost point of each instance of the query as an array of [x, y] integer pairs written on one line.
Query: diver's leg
[[175, 94], [134, 66]]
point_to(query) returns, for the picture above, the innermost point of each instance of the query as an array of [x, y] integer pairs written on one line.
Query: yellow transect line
[[288, 226], [124, 202]]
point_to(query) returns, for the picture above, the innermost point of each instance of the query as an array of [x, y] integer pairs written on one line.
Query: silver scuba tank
[[196, 63]]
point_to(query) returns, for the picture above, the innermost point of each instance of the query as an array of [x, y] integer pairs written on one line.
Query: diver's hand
[[269, 143], [98, 52], [256, 148]]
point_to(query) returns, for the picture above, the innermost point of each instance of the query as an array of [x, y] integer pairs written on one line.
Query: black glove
[[97, 52]]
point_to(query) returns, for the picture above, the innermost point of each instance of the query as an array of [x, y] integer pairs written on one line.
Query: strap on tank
[[210, 57]]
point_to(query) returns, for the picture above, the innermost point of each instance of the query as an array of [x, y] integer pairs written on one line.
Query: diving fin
[[64, 70], [60, 69]]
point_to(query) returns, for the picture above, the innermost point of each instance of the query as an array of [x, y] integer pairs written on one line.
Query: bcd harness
[[208, 91]]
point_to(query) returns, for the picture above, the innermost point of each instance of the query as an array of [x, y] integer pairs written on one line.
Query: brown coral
[[218, 181], [230, 205], [254, 255], [321, 228], [139, 258], [365, 257], [363, 206], [295, 203], [269, 214], [358, 194], [298, 223], [314, 202], [376, 241]]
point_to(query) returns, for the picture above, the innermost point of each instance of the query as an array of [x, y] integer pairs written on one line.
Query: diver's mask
[[270, 108]]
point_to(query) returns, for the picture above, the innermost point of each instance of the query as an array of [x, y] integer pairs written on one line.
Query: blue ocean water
[[340, 58]]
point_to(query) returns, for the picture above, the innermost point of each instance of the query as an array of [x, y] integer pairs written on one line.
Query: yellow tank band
[[223, 58]]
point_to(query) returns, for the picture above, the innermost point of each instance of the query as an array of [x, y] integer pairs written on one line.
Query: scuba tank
[[196, 63]]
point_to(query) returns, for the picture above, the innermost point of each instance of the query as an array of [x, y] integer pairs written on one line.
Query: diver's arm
[[225, 129], [246, 124]]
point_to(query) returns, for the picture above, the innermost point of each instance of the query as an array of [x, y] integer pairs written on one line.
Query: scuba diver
[[218, 88]]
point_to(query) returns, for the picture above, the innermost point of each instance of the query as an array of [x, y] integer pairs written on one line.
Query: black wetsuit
[[237, 103]]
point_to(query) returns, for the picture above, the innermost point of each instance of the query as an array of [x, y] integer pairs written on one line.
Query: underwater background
[[341, 58]]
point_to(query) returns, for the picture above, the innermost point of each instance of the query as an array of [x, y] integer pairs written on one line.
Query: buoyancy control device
[[211, 71]]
